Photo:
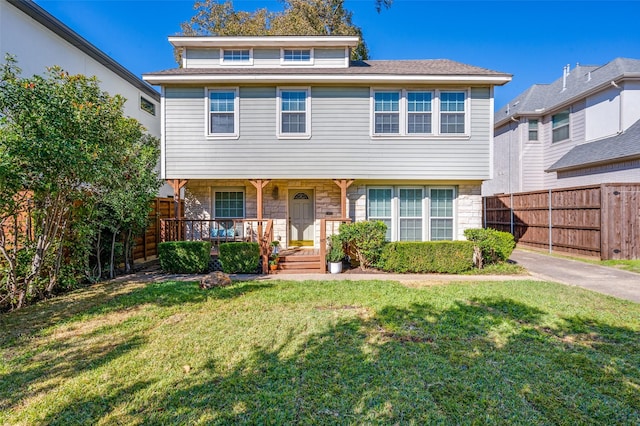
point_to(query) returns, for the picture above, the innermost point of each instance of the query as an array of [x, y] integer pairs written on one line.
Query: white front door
[[301, 217]]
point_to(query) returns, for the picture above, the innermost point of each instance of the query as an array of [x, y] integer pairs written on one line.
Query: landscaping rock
[[215, 279]]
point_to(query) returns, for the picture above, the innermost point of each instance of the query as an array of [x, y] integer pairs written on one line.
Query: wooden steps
[[299, 263]]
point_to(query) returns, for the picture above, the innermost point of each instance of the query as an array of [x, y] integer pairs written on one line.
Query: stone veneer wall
[[199, 193]]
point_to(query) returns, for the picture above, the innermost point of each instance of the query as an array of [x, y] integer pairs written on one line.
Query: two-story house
[[288, 128], [582, 129]]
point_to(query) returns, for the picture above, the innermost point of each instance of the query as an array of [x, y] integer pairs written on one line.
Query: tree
[[299, 17], [61, 145]]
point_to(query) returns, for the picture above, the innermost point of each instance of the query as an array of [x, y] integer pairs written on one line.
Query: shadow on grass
[[487, 361]]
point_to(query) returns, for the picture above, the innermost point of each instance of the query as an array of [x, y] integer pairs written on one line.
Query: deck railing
[[221, 231], [328, 227]]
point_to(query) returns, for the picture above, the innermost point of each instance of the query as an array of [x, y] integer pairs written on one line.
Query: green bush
[[451, 257], [335, 253], [184, 257], [366, 239], [496, 246], [239, 257]]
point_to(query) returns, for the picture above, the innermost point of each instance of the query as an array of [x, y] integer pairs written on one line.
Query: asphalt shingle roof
[[621, 147], [393, 67], [580, 80]]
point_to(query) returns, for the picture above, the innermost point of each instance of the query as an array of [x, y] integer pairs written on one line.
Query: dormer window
[[236, 56], [297, 56]]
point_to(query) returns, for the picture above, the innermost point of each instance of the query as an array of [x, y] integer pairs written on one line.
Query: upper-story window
[[297, 56], [236, 56], [386, 112], [452, 112], [294, 115], [147, 105], [533, 130], [560, 126], [223, 112], [419, 113]]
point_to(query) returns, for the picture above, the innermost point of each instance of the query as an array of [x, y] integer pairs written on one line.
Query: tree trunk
[[112, 271]]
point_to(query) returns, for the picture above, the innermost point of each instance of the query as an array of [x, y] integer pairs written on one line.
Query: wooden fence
[[600, 220], [147, 245]]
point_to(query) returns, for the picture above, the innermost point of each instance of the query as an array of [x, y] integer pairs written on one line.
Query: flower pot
[[273, 267], [335, 267]]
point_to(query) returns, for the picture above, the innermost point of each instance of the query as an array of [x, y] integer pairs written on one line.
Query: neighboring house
[[289, 129], [582, 129], [38, 40]]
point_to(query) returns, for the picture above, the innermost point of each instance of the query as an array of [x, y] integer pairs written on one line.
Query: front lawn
[[335, 352]]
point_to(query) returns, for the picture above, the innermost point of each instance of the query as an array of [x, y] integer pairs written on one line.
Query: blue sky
[[531, 40]]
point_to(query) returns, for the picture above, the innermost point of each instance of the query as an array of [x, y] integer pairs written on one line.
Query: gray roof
[[50, 22], [395, 67], [581, 80], [622, 147]]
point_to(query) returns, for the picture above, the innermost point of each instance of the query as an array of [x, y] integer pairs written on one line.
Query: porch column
[[259, 184], [343, 184], [177, 185]]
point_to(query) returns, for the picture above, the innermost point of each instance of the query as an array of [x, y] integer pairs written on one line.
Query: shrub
[[184, 257], [239, 257], [495, 246], [366, 239], [336, 249], [451, 257]]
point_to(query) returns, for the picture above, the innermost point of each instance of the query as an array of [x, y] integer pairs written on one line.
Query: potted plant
[[273, 263], [335, 254]]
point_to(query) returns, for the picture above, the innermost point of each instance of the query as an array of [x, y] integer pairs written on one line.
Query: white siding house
[[582, 129], [38, 40], [406, 142]]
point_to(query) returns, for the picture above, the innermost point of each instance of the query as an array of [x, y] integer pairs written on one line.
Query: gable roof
[[581, 81], [622, 147], [390, 70], [47, 20]]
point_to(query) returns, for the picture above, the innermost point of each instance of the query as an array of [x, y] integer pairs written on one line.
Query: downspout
[[620, 121]]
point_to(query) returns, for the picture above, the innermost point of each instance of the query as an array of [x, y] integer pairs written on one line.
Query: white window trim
[[454, 212], [529, 130], [236, 63], [215, 189], [307, 134], [426, 208], [236, 113], [297, 63], [435, 114]]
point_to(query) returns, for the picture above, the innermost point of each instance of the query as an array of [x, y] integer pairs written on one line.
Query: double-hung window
[[410, 214], [441, 214], [237, 56], [379, 207], [560, 126], [386, 111], [419, 112], [223, 112], [452, 112], [294, 115], [533, 130]]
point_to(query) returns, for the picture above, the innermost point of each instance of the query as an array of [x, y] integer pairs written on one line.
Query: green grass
[[627, 265], [336, 352]]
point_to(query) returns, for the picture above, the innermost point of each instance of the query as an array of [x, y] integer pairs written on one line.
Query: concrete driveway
[[611, 281]]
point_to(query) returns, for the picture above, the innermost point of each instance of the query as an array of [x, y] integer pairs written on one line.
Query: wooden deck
[[299, 260]]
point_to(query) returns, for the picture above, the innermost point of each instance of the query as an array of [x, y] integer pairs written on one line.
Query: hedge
[[238, 257], [365, 239], [450, 257], [184, 257], [496, 246]]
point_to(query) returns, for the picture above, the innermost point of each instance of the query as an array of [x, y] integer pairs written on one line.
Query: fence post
[[511, 214], [550, 225], [484, 211]]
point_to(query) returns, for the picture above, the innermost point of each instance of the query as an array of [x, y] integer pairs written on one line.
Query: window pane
[[221, 101], [419, 101], [533, 130], [236, 55], [411, 202], [441, 229], [442, 202], [222, 123], [297, 55], [560, 134], [379, 202], [452, 101], [293, 122], [419, 123], [387, 123], [386, 101], [452, 123], [294, 101], [560, 119], [410, 229], [229, 204]]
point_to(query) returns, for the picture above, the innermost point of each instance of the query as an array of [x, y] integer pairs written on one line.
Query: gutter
[[594, 163]]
